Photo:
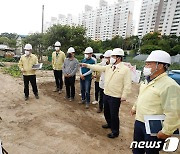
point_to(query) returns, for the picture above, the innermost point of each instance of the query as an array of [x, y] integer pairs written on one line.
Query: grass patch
[[47, 67], [13, 71], [8, 60]]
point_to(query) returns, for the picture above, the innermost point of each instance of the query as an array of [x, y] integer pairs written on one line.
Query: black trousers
[[70, 87], [140, 135], [96, 90], [58, 79], [32, 80], [101, 102], [111, 112]]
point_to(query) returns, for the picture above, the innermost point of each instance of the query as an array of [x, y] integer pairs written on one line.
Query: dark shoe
[[112, 135], [106, 126], [26, 98], [99, 111], [37, 97]]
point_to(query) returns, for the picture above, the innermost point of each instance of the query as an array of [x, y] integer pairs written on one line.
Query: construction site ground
[[55, 125]]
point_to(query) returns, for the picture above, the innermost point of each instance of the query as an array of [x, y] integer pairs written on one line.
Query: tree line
[[76, 37]]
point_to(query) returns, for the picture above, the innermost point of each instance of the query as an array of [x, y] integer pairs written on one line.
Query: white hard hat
[[71, 50], [159, 56], [57, 44], [117, 52], [107, 53], [28, 47], [88, 50]]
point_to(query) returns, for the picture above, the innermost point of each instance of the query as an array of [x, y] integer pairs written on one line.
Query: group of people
[[159, 94]]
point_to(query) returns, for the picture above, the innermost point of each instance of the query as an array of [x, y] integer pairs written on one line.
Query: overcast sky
[[24, 16]]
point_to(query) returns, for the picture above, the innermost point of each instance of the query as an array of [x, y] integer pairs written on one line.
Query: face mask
[[147, 71], [112, 60], [57, 48], [27, 53], [69, 55], [86, 56], [104, 61]]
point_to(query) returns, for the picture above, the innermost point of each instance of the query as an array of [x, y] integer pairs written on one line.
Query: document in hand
[[37, 66], [154, 123]]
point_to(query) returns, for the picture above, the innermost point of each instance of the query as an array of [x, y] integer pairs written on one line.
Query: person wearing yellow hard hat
[[117, 86], [159, 95], [58, 58], [29, 74]]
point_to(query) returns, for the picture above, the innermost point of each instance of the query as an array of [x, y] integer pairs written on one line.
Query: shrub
[[147, 49], [13, 71], [7, 60], [47, 67]]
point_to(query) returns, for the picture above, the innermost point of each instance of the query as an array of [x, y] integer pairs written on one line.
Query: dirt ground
[[54, 125]]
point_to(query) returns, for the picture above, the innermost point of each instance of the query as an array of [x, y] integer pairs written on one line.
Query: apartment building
[[160, 15], [104, 22], [109, 20]]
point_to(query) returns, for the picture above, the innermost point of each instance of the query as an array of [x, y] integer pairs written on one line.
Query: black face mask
[[69, 55]]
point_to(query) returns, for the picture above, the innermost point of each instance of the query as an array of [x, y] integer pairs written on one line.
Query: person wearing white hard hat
[[86, 77], [96, 77], [117, 86], [105, 61], [94, 58], [29, 74], [58, 58], [159, 95], [70, 69]]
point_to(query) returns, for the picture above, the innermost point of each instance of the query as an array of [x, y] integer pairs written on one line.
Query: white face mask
[[57, 48], [147, 71], [86, 56], [112, 60], [104, 61], [27, 53]]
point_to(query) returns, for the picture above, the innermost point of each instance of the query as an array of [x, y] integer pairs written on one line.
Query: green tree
[[164, 45], [131, 42], [9, 35], [36, 40], [78, 39], [68, 36], [96, 45], [8, 39], [106, 45], [117, 42], [147, 49], [4, 40], [175, 50], [151, 38]]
